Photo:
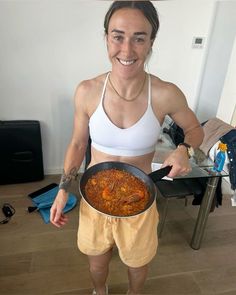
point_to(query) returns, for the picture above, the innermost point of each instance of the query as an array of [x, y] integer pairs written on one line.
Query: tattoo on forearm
[[67, 178]]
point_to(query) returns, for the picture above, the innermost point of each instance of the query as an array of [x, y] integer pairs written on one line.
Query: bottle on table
[[220, 157]]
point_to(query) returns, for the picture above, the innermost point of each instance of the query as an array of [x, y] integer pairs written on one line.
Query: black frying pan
[[148, 179]]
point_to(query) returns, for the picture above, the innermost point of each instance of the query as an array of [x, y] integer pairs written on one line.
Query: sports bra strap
[[149, 89], [104, 87]]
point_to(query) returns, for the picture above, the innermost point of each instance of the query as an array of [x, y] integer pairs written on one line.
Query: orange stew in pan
[[116, 192]]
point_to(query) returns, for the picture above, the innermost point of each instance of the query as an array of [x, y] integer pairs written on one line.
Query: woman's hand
[[57, 217], [179, 161]]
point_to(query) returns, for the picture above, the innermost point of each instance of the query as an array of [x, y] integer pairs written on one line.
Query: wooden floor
[[37, 258]]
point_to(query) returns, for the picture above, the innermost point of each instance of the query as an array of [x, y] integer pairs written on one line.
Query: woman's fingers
[[178, 170], [57, 217], [58, 222]]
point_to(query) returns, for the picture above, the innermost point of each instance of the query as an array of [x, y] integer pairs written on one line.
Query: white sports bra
[[137, 140]]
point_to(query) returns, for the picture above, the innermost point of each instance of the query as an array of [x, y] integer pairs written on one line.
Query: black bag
[[21, 155], [176, 133]]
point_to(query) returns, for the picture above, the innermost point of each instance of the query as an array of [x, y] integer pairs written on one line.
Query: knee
[[100, 263], [96, 267], [138, 270]]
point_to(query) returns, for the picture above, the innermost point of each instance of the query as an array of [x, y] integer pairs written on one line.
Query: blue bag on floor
[[44, 201]]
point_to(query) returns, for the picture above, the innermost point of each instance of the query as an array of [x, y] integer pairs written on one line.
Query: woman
[[123, 111]]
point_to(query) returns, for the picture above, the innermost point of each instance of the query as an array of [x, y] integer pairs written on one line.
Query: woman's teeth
[[126, 62]]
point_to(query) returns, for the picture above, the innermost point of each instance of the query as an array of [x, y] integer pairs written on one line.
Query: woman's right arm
[[74, 156]]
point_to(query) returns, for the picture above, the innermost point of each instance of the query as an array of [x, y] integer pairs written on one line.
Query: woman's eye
[[139, 40], [118, 38]]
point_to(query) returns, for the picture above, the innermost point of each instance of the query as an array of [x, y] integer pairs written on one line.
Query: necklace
[[124, 98]]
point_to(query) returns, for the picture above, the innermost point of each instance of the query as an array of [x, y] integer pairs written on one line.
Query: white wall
[[49, 46], [174, 59], [226, 109], [218, 59]]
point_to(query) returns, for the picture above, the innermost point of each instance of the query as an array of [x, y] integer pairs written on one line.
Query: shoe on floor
[[95, 293]]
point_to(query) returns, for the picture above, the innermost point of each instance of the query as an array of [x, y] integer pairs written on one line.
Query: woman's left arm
[[185, 118]]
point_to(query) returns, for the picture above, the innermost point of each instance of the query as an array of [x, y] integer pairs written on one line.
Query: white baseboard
[[52, 171]]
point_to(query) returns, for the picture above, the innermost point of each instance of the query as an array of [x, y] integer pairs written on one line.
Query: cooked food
[[117, 192]]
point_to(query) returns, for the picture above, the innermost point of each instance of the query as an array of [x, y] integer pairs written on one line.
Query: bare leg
[[99, 266], [137, 277]]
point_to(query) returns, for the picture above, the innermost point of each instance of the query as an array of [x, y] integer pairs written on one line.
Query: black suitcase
[[21, 158]]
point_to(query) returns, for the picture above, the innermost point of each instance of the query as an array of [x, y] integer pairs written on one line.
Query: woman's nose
[[127, 47]]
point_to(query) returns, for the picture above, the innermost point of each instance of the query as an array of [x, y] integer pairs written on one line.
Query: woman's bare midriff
[[142, 162]]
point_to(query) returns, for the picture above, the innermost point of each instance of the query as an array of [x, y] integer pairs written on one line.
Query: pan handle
[[160, 173]]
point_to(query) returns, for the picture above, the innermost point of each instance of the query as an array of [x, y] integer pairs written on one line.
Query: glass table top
[[202, 166]]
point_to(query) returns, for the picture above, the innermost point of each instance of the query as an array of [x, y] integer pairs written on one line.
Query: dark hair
[[147, 8]]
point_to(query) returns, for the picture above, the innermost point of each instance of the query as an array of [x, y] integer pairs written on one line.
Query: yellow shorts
[[135, 237]]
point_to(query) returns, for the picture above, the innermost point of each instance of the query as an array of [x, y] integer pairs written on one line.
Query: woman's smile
[[126, 62]]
